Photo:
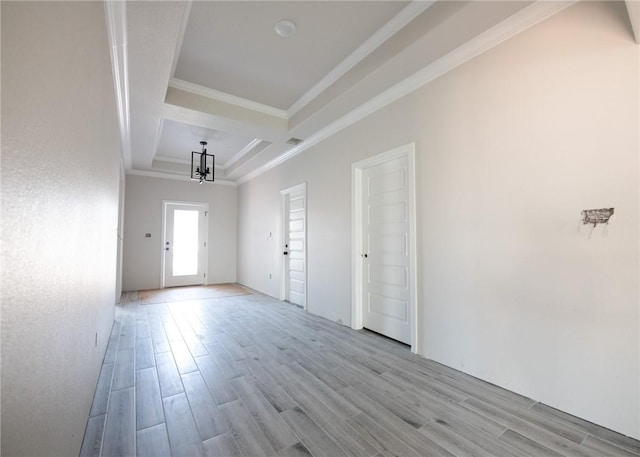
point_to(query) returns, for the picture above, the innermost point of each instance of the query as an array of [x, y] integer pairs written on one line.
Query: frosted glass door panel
[[185, 242]]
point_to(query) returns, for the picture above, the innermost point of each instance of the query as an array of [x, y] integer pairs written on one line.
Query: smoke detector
[[285, 28]]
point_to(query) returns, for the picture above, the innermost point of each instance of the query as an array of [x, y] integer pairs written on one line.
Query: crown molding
[[248, 148], [406, 15], [156, 140], [520, 21], [183, 28], [227, 98], [176, 177], [162, 158], [633, 9], [171, 160], [116, 18]]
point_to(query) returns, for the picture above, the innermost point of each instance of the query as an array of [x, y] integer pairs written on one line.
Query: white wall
[[510, 146], [143, 214], [60, 168]]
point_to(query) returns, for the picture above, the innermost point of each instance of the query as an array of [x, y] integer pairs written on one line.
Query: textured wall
[[60, 169], [143, 214], [510, 147]]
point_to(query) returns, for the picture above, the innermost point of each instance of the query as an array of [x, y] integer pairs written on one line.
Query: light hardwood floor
[[251, 376]]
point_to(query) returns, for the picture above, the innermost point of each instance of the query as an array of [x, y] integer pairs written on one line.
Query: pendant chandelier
[[202, 165]]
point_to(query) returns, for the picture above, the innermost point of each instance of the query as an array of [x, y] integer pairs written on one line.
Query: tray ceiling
[[231, 46], [217, 71]]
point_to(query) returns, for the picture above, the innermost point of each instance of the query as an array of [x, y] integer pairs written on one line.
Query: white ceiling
[[216, 71], [232, 47]]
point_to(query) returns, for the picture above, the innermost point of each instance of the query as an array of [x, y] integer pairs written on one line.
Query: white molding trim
[[171, 160], [522, 20], [238, 155], [176, 177], [395, 24], [357, 242], [122, 181], [183, 28], [116, 18], [312, 140], [156, 141], [161, 158], [227, 98], [633, 9]]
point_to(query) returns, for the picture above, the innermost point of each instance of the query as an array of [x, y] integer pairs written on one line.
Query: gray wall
[[60, 178], [142, 262], [510, 147]]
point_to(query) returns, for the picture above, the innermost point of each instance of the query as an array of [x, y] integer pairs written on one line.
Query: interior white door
[[294, 251], [386, 245], [184, 244]]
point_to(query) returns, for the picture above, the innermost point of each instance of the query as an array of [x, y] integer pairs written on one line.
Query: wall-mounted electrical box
[[596, 216]]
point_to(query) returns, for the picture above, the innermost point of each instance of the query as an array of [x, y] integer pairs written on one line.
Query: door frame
[[162, 238], [120, 231], [284, 221], [357, 217]]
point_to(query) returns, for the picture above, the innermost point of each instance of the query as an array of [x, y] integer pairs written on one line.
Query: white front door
[[294, 248], [386, 250], [184, 243]]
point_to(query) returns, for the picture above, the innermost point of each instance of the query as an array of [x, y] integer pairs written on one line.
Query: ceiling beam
[[227, 98], [196, 109]]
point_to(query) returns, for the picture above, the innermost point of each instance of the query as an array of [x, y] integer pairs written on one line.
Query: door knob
[[285, 253], [166, 249]]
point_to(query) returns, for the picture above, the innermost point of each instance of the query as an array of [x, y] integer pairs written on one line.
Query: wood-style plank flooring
[[251, 376]]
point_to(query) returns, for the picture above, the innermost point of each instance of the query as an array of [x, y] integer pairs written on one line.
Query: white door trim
[[357, 303], [162, 238], [120, 230], [284, 221]]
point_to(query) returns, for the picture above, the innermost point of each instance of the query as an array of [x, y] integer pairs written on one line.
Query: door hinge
[[205, 244], [204, 275], [206, 212]]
